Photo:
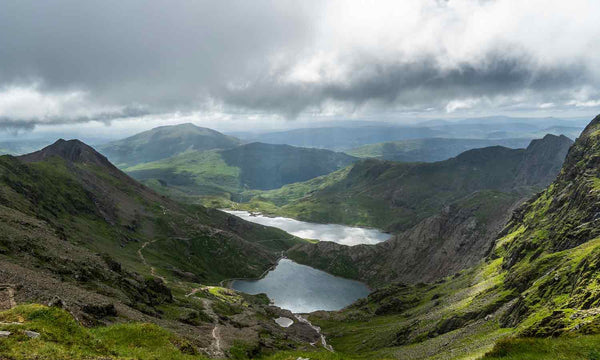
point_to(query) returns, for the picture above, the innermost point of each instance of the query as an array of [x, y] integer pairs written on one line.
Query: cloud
[[72, 61], [28, 106]]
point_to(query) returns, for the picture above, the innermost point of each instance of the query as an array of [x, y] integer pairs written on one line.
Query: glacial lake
[[341, 234], [302, 289]]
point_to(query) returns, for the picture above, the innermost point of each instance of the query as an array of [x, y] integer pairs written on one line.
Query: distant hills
[[163, 142], [342, 138], [191, 163], [430, 149]]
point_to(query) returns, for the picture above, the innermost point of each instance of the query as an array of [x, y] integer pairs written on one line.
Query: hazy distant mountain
[[428, 150], [163, 142], [340, 138], [350, 137], [24, 146]]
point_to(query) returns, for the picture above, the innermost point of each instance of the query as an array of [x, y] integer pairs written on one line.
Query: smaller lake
[[341, 234], [302, 289]]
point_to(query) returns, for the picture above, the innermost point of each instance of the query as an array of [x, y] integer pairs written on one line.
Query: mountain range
[[395, 196], [494, 254], [534, 296]]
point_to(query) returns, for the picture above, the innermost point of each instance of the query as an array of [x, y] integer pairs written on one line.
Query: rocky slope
[[75, 228]]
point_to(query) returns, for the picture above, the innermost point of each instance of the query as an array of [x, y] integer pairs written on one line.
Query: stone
[[56, 302], [4, 334], [32, 334]]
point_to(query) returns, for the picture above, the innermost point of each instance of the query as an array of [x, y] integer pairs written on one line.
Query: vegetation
[[536, 295], [163, 142], [232, 174], [396, 196], [62, 338]]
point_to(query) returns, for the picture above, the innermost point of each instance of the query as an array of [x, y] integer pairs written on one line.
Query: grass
[[585, 347], [62, 338]]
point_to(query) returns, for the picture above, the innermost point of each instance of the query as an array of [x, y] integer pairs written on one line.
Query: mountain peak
[[71, 150]]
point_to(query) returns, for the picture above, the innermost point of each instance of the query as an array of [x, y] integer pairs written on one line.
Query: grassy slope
[[131, 215], [163, 142], [227, 174], [193, 172], [64, 339], [396, 196]]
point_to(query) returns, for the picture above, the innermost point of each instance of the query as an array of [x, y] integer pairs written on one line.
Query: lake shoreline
[[337, 233], [273, 216]]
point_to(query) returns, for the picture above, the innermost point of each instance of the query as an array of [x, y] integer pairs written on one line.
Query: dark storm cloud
[[409, 84], [154, 52]]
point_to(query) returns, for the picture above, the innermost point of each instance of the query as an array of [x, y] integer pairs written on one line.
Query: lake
[[341, 234], [302, 289]]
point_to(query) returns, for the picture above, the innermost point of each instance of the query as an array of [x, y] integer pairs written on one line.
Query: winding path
[[214, 349], [152, 269]]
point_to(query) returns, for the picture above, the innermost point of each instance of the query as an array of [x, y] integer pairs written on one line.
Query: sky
[[110, 67]]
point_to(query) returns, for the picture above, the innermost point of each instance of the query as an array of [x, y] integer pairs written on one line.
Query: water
[[302, 289], [340, 234]]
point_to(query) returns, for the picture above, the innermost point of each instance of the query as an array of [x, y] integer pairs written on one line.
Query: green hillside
[[396, 196], [228, 173], [163, 142]]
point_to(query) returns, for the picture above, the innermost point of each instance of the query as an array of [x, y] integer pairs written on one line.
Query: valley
[[299, 180], [438, 281]]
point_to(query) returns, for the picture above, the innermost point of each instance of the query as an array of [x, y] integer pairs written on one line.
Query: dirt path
[[152, 269], [214, 349]]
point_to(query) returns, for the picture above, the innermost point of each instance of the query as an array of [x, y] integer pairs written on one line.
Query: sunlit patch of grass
[[585, 347], [62, 338]]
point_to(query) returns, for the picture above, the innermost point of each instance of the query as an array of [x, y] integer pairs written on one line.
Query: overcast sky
[[247, 64]]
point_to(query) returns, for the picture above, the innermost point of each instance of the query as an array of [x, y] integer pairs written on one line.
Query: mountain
[[535, 296], [81, 234], [430, 149], [396, 196], [229, 172], [163, 142]]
